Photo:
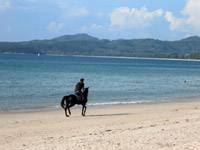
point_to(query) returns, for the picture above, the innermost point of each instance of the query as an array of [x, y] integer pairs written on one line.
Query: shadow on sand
[[104, 115]]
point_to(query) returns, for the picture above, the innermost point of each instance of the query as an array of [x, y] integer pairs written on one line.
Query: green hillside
[[83, 44]]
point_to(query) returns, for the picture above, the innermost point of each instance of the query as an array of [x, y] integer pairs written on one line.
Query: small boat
[[38, 54]]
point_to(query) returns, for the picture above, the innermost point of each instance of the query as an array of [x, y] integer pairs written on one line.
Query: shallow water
[[29, 81]]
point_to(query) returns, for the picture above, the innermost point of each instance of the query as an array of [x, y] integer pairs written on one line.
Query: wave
[[56, 107], [98, 104], [118, 103], [29, 109]]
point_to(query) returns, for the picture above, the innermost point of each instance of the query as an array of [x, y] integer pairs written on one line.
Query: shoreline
[[163, 126], [100, 105], [120, 57], [79, 107], [123, 57]]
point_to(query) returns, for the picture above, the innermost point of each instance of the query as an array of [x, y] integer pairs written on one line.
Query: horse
[[71, 100]]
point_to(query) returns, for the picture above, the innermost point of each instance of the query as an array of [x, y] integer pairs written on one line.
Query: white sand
[[172, 126]]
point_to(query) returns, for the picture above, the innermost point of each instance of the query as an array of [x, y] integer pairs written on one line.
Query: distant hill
[[192, 38], [83, 44], [75, 37]]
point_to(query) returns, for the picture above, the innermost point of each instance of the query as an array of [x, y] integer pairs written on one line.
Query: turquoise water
[[33, 82]]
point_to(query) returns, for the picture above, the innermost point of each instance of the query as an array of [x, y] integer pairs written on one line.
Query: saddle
[[78, 96]]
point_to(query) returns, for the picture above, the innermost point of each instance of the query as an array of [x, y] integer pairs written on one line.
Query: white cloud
[[176, 23], [75, 12], [55, 27], [5, 4], [95, 26], [125, 17], [190, 21]]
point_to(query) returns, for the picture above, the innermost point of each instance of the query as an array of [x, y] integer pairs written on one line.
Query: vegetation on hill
[[83, 44]]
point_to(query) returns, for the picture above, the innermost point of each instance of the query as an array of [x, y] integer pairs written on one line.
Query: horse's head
[[85, 91]]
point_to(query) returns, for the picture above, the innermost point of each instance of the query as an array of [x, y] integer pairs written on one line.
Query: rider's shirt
[[79, 86]]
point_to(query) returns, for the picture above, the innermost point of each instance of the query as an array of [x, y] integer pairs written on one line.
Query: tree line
[[83, 44]]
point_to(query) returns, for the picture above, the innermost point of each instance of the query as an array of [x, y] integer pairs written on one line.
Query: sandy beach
[[167, 126]]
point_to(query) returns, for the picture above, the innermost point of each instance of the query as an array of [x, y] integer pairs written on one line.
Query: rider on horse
[[77, 89]]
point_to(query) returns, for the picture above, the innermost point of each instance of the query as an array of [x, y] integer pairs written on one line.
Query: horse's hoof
[[67, 115], [83, 114]]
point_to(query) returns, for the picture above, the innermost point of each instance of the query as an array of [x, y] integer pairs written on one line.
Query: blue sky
[[23, 20]]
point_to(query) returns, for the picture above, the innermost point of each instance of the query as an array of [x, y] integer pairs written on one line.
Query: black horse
[[71, 100]]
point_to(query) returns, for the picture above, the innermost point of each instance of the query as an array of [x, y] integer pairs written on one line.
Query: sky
[[24, 20]]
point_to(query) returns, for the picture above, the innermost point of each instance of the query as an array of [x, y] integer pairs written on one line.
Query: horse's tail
[[62, 103]]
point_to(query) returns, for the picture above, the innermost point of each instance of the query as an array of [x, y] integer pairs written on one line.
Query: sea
[[38, 82]]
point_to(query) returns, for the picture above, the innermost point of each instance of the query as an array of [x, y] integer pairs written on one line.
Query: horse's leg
[[83, 110], [66, 111], [69, 107], [69, 111]]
